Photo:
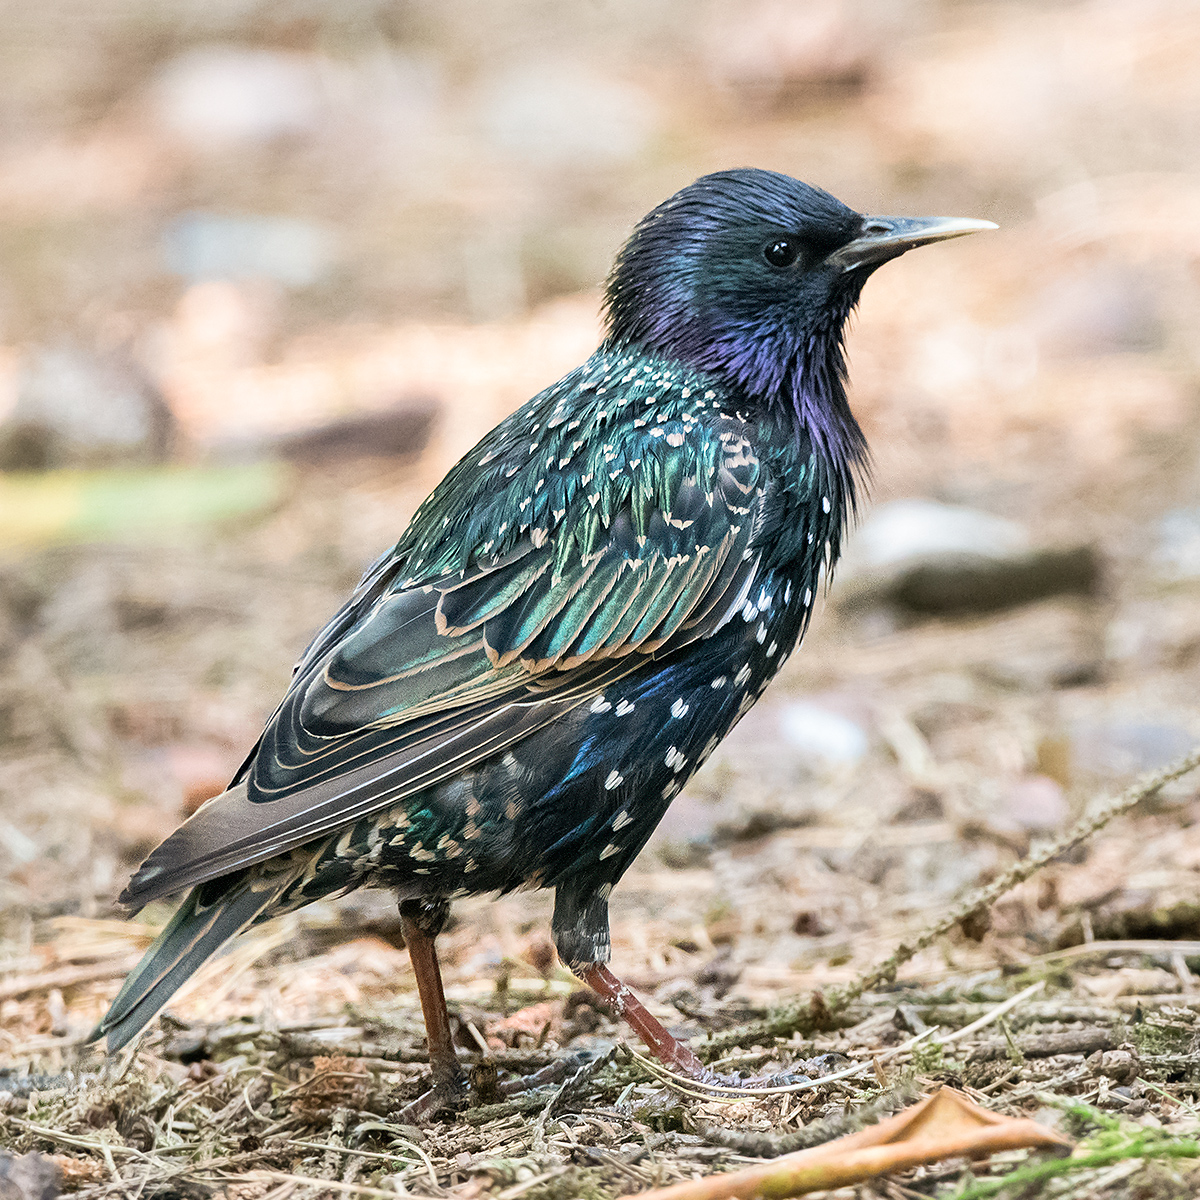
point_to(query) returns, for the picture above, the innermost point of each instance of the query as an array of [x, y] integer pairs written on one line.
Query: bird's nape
[[573, 620]]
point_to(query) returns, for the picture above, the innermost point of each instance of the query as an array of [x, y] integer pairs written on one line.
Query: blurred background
[[268, 270]]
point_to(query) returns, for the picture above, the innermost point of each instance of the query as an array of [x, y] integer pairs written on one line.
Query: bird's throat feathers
[[794, 379], [691, 285], [812, 404]]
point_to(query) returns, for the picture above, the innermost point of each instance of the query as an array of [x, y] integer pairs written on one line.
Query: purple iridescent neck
[[795, 381]]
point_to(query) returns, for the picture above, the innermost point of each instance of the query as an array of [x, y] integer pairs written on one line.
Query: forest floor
[[1047, 373]]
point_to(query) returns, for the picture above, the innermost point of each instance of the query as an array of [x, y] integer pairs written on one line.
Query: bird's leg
[[420, 922], [580, 928], [666, 1047], [674, 1054]]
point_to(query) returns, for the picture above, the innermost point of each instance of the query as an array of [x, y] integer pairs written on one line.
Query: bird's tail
[[203, 924]]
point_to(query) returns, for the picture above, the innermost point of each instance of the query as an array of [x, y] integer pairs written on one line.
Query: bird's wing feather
[[420, 679]]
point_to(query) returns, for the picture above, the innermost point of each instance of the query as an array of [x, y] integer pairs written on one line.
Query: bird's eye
[[782, 251]]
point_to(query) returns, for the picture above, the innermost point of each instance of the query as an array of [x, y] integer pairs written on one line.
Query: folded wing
[[417, 680]]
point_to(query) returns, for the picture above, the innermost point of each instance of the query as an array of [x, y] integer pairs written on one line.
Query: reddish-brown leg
[[420, 925], [668, 1049], [420, 922]]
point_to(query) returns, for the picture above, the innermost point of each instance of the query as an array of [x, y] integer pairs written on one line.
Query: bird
[[572, 621]]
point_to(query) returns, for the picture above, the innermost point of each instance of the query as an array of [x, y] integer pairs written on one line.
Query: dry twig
[[806, 1014]]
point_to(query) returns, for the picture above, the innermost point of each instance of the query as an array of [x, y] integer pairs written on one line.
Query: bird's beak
[[881, 238]]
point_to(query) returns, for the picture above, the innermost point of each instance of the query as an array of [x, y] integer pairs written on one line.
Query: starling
[[576, 616]]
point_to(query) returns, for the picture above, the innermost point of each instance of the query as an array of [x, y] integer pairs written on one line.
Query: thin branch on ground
[[806, 1014]]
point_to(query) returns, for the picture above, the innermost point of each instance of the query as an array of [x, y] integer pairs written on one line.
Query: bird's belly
[[582, 795]]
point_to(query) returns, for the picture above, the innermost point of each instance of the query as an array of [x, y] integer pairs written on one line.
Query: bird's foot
[[751, 1083], [482, 1087], [804, 1072], [555, 1072], [447, 1094], [676, 1055]]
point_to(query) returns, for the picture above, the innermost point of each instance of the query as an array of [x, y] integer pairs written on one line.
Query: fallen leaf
[[132, 504], [943, 1125], [529, 1022], [75, 1173]]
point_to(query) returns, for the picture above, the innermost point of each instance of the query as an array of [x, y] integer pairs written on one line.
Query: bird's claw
[[554, 1073], [801, 1072], [755, 1083], [445, 1095], [481, 1087]]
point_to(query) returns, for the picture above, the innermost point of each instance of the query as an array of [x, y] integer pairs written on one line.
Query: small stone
[[287, 250], [1121, 748], [401, 431], [931, 558], [565, 115], [822, 734], [1176, 554], [1036, 804], [30, 1176], [224, 96], [78, 408]]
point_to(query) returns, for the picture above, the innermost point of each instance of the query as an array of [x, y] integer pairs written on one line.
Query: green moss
[[1162, 1037], [574, 1184], [1111, 1141], [928, 1056]]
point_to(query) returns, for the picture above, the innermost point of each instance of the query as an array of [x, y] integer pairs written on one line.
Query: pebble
[[227, 96], [928, 558], [286, 250], [75, 407]]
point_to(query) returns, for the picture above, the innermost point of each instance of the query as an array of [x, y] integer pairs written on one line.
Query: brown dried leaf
[[75, 1173], [529, 1022], [944, 1125], [336, 1081]]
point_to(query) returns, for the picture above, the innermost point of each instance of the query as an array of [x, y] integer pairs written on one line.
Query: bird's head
[[751, 275]]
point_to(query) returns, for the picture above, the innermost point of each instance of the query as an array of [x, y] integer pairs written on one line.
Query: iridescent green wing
[[434, 673]]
